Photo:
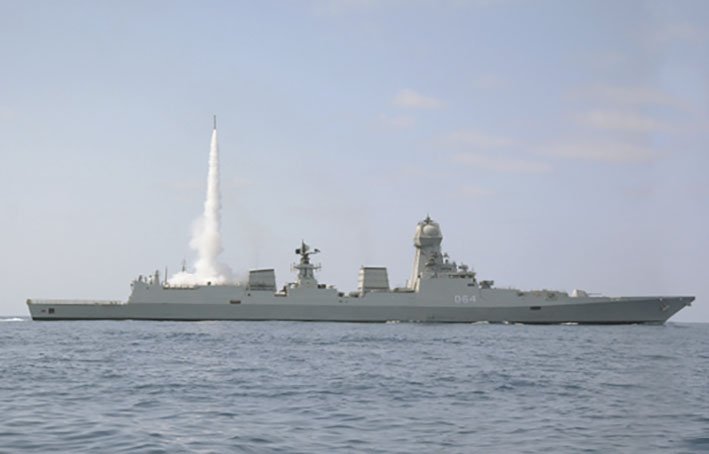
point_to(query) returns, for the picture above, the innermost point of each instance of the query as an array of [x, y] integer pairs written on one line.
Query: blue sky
[[559, 144]]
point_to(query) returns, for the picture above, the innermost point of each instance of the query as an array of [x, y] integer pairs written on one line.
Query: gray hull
[[617, 311], [439, 291]]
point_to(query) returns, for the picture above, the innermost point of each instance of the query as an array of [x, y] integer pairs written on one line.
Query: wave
[[13, 319]]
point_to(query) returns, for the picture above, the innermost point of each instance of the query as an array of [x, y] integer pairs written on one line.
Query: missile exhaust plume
[[206, 236]]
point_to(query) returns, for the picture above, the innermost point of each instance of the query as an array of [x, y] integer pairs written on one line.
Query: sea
[[297, 387]]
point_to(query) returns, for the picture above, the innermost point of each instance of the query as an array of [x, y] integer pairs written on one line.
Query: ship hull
[[606, 311]]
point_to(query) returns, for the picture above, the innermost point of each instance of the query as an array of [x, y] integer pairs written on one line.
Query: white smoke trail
[[206, 236]]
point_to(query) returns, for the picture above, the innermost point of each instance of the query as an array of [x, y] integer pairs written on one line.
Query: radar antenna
[[306, 270]]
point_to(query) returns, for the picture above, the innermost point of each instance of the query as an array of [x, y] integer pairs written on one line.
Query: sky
[[560, 144]]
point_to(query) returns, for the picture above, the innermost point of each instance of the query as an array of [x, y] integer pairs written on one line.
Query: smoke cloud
[[206, 233]]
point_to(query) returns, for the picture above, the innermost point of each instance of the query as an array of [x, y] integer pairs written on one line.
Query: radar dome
[[431, 230], [428, 233]]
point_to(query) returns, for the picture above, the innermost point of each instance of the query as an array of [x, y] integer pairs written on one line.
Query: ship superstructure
[[439, 290]]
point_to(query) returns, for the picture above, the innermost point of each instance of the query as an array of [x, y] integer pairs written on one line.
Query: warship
[[438, 291]]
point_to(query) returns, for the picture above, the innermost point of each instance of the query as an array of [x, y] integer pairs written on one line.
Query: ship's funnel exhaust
[[206, 236]]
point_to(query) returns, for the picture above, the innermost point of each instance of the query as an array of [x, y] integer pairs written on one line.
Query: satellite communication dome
[[428, 233], [431, 230]]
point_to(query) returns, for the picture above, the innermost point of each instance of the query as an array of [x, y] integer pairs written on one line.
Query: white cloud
[[501, 164], [604, 152], [477, 139], [623, 121], [413, 100]]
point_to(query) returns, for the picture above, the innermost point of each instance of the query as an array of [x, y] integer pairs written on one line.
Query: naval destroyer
[[439, 290]]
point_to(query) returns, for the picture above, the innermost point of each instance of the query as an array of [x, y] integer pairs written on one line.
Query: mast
[[306, 270], [427, 241]]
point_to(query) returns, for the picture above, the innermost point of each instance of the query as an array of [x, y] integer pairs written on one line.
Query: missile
[[215, 122]]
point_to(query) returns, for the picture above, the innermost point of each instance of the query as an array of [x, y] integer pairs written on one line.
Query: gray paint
[[440, 291]]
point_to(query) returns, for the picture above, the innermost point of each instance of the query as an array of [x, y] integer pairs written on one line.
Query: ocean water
[[337, 387]]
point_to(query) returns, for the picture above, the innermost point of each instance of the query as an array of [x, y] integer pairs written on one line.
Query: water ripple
[[300, 387]]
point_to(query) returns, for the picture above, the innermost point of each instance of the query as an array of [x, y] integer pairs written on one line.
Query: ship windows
[[235, 302], [535, 308], [50, 310]]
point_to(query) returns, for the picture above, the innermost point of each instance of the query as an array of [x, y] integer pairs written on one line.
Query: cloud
[[396, 121], [476, 139], [501, 164], [411, 100], [480, 144], [623, 121], [603, 152]]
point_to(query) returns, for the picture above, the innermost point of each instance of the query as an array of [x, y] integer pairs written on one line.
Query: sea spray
[[206, 232]]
